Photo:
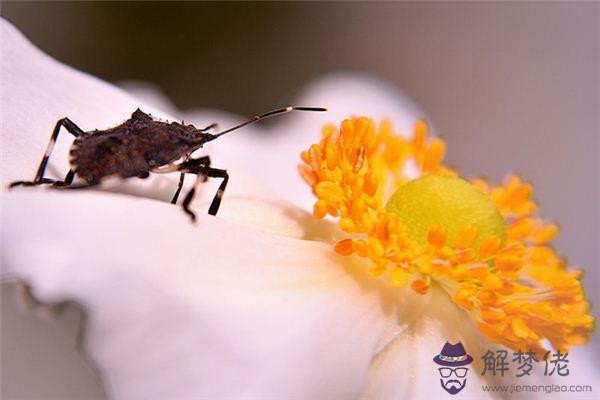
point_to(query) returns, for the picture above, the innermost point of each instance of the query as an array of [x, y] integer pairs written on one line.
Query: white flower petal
[[183, 311], [405, 369]]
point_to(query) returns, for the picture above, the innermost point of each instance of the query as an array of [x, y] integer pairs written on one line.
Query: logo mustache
[[453, 383]]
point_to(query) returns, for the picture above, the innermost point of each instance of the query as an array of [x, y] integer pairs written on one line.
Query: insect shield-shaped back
[[134, 148]]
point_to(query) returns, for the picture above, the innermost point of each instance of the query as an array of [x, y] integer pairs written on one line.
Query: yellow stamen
[[344, 247], [436, 236], [399, 277], [484, 243], [420, 286], [465, 238]]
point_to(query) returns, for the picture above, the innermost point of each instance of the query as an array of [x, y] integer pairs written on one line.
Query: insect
[[138, 147]]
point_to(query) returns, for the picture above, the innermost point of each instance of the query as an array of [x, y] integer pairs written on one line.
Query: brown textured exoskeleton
[[140, 146]]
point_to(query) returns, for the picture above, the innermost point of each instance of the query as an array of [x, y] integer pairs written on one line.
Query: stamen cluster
[[518, 290]]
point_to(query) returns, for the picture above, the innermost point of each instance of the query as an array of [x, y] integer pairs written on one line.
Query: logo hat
[[453, 355]]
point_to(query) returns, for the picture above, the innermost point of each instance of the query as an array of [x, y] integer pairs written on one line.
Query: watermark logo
[[453, 361]]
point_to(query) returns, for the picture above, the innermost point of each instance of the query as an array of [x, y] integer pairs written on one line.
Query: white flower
[[251, 304]]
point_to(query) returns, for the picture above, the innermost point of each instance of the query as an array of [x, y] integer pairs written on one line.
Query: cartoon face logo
[[453, 373]]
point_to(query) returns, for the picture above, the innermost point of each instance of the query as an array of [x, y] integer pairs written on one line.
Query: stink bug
[[140, 146]]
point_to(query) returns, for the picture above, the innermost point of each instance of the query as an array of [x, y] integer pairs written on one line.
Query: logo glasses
[[447, 372]]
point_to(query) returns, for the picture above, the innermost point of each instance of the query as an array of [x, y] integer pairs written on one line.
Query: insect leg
[[69, 178], [39, 176], [188, 163], [179, 186], [69, 126], [66, 182], [214, 125], [190, 196], [217, 173], [202, 173]]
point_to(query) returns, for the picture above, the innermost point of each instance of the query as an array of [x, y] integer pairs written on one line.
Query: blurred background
[[510, 86]]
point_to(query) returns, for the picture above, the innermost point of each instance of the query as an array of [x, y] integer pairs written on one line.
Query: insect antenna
[[272, 113]]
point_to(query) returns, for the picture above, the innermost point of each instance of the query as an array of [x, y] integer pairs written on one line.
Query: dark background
[[511, 86]]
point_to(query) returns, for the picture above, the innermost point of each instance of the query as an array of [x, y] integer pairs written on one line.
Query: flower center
[[448, 202], [485, 245]]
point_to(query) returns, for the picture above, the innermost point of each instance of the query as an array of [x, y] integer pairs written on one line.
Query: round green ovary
[[447, 202]]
